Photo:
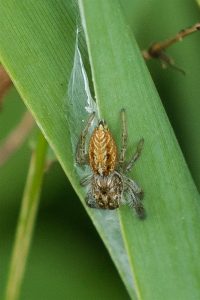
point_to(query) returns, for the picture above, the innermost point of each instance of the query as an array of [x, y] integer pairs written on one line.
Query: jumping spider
[[108, 181]]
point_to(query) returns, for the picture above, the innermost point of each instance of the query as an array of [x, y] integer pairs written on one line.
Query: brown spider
[[108, 181]]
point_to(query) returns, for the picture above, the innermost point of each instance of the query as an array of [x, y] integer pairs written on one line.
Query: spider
[[108, 184]]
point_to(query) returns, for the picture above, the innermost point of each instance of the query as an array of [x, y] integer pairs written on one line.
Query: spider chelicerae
[[108, 184]]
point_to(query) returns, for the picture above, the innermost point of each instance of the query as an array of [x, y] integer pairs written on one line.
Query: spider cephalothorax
[[108, 184]]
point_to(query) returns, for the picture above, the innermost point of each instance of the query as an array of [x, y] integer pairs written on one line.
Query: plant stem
[[156, 49], [26, 220], [16, 137]]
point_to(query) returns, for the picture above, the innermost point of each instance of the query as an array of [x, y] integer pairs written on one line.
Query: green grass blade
[[163, 249], [40, 64], [26, 220], [78, 103]]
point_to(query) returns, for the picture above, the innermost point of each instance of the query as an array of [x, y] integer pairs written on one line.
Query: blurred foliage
[[66, 253], [155, 20]]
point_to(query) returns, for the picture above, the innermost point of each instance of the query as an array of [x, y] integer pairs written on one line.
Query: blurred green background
[[67, 258], [153, 21]]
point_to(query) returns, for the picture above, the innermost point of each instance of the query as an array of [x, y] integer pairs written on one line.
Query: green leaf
[[163, 248], [40, 64], [27, 217]]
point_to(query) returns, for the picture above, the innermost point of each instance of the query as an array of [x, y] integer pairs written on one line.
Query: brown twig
[[16, 138], [157, 50], [5, 83]]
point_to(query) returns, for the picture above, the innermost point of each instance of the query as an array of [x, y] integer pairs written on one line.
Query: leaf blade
[[124, 76], [48, 55]]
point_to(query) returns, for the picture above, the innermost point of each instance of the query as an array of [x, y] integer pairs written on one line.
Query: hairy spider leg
[[86, 180], [124, 137], [81, 156], [135, 157], [131, 183], [135, 198]]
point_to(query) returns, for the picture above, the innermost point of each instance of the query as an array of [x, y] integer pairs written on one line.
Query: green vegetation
[[158, 257]]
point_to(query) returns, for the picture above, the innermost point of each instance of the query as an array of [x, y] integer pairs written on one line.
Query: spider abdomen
[[102, 151]]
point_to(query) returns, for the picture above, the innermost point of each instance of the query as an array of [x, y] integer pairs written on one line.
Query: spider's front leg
[[81, 156], [124, 138], [135, 193], [129, 183], [128, 166], [139, 208]]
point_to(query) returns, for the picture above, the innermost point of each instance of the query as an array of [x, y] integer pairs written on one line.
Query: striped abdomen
[[102, 151]]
